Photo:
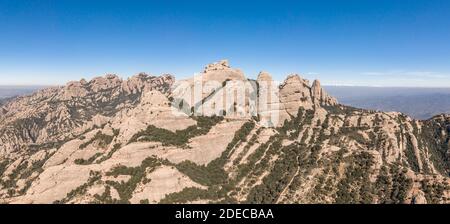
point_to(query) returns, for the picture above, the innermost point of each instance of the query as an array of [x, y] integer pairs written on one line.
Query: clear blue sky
[[361, 42]]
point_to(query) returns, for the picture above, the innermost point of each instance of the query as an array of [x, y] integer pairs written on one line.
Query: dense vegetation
[[434, 190], [137, 176], [326, 160], [189, 194], [438, 145], [284, 169], [344, 177], [101, 139], [212, 175], [110, 153], [355, 187], [179, 137], [392, 185], [3, 165], [88, 161]]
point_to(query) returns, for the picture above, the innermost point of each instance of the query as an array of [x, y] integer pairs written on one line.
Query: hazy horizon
[[9, 86]]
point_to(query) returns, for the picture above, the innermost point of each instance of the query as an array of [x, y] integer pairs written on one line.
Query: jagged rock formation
[[271, 111], [220, 89], [320, 96], [55, 114], [295, 92], [110, 140], [221, 71]]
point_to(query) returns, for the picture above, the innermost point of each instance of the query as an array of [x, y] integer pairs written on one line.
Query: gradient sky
[[360, 42]]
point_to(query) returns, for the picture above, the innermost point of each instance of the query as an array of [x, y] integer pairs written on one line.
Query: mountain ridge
[[110, 140]]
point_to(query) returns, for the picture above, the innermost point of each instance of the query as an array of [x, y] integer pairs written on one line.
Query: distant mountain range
[[8, 92], [419, 103]]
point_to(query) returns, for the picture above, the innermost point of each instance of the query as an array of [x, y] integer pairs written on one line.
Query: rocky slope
[[144, 140]]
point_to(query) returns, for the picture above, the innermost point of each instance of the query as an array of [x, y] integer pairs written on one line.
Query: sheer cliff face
[[124, 141]]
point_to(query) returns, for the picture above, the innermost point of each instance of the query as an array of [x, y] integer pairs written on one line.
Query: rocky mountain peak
[[264, 76], [221, 71], [316, 84], [320, 96], [83, 82], [295, 93], [137, 83], [107, 82], [83, 87], [53, 114], [295, 79], [140, 75], [220, 65], [143, 82]]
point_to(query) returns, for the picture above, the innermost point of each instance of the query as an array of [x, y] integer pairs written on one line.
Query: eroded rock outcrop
[[221, 71], [54, 114], [295, 92], [320, 96], [271, 110], [110, 140]]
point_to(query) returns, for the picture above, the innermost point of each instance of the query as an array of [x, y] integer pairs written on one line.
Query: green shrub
[[355, 187], [110, 153], [105, 197], [212, 175], [434, 191], [3, 165], [102, 139], [93, 177], [126, 189], [189, 194], [410, 154], [89, 161], [179, 137]]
